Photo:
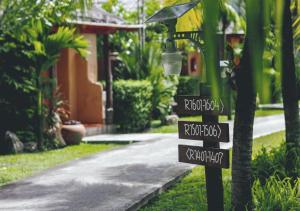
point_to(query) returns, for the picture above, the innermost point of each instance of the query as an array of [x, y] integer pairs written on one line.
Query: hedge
[[132, 105], [188, 85]]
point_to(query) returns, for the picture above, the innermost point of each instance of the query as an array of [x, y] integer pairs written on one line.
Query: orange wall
[[197, 57], [77, 78]]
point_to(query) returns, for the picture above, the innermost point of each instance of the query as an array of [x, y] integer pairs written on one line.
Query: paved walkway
[[278, 106], [120, 179]]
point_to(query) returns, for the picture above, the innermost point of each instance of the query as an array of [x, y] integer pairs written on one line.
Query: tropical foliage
[[34, 27], [277, 194], [256, 74], [145, 63], [133, 100], [188, 85], [33, 32]]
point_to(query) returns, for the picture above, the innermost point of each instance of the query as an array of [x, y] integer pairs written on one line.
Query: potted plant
[[70, 131], [73, 132]]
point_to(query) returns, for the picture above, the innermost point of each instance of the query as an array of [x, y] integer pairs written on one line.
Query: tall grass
[[277, 195]]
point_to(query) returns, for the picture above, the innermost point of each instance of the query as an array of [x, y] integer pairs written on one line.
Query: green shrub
[[135, 62], [164, 90], [276, 195], [269, 163], [28, 48], [132, 100], [17, 85], [138, 63], [188, 85]]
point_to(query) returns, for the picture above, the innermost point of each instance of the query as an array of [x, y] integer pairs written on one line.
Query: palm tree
[[243, 133], [52, 44], [251, 64], [290, 91], [247, 84]]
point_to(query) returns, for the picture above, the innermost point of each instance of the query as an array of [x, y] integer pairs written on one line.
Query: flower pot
[[73, 134]]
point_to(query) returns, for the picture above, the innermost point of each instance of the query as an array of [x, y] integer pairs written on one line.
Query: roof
[[104, 28], [98, 15], [97, 20]]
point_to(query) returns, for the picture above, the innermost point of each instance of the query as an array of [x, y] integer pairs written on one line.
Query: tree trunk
[[243, 135], [289, 93], [39, 116]]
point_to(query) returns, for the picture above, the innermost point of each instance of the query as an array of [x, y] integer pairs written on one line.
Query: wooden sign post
[[211, 133], [218, 158]]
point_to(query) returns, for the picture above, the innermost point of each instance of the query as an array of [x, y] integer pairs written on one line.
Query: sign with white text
[[216, 132], [197, 105], [218, 158]]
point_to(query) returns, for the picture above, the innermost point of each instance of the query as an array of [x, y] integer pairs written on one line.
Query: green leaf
[[39, 47]]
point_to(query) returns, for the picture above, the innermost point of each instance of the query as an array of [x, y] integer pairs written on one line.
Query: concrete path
[[278, 106], [120, 179], [132, 137]]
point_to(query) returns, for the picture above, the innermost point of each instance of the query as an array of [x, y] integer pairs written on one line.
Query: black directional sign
[[216, 132], [197, 105], [218, 158]]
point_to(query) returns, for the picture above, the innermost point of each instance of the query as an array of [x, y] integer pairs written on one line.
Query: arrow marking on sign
[[222, 105], [220, 131]]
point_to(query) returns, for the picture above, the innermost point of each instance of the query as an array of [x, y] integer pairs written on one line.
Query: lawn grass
[[15, 167], [156, 127], [190, 192], [263, 112]]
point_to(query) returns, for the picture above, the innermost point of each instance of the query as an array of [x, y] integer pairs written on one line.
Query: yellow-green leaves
[[211, 16], [255, 36], [296, 26], [39, 47], [278, 33], [232, 16], [66, 37], [192, 20]]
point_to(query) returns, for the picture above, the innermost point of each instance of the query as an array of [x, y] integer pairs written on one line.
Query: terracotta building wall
[[194, 64], [77, 78]]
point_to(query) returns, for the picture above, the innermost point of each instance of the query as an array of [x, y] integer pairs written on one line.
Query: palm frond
[[66, 37]]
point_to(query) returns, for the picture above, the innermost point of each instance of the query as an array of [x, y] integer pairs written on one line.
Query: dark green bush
[[272, 189], [269, 163], [188, 85], [28, 48], [17, 85], [132, 105], [144, 64], [164, 90]]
